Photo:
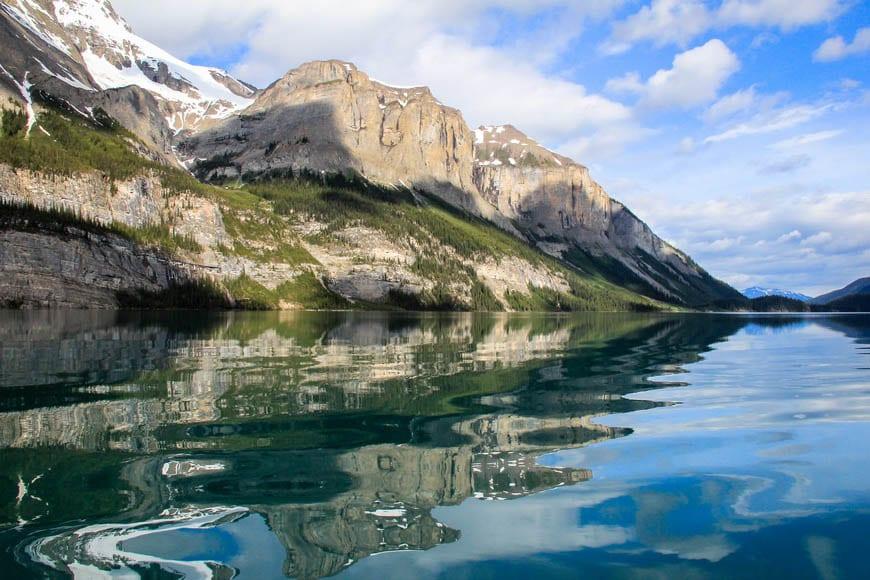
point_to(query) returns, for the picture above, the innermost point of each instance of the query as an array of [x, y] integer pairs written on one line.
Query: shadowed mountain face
[[340, 433]]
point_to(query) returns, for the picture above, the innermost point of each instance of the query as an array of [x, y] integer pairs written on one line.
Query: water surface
[[266, 445]]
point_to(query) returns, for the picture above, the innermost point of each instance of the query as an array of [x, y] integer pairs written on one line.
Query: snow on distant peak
[[758, 292]]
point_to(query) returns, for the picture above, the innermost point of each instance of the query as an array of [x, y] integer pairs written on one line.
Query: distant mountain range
[[854, 297], [758, 292]]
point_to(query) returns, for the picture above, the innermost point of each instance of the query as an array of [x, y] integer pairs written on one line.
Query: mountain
[[328, 116], [758, 292], [347, 190], [859, 287]]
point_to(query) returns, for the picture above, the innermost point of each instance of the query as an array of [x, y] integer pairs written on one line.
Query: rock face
[[555, 200], [39, 270], [329, 116]]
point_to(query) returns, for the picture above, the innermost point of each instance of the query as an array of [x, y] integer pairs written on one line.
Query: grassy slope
[[259, 212]]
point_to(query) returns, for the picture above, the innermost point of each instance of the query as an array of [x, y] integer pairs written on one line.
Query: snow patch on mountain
[[97, 18], [91, 32], [25, 14]]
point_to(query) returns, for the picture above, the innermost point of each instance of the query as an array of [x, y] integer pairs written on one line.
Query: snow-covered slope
[[758, 292], [93, 34]]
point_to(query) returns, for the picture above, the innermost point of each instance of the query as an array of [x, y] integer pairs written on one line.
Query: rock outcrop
[[557, 203], [77, 268], [329, 116]]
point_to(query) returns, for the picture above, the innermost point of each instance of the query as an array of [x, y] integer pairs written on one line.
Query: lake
[[265, 445]]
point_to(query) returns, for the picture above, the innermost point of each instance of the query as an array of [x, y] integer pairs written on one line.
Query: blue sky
[[739, 129]]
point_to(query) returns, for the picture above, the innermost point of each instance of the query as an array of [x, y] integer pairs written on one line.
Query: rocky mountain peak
[[321, 73], [330, 116]]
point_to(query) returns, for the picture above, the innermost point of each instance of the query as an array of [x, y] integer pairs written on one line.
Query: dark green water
[[412, 446]]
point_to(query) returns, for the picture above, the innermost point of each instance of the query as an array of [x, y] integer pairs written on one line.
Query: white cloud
[[771, 121], [733, 104], [628, 83], [694, 78], [836, 48], [792, 235], [680, 21], [783, 14], [806, 139], [724, 244], [818, 239], [662, 22], [496, 88], [784, 239]]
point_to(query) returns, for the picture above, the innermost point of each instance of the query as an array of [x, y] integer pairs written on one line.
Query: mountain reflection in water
[[269, 444]]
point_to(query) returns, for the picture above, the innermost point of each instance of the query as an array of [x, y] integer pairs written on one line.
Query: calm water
[[459, 446]]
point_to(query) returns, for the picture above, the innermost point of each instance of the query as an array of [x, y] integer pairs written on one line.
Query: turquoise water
[[266, 445]]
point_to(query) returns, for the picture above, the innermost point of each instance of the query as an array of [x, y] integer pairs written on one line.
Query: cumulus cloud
[[836, 48], [662, 22], [792, 235], [680, 21], [694, 78], [498, 89]]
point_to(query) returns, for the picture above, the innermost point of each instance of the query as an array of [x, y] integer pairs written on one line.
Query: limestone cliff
[[329, 116], [74, 268]]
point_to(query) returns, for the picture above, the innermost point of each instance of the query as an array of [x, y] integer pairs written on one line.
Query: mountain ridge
[[327, 118]]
